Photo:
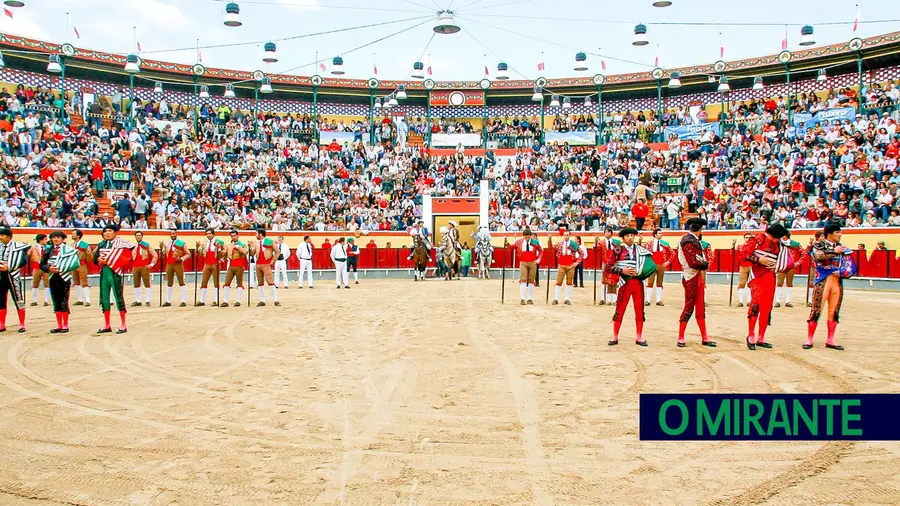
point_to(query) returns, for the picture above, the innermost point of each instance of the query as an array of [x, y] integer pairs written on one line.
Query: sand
[[396, 392]]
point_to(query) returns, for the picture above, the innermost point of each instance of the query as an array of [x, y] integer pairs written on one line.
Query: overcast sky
[[563, 27]]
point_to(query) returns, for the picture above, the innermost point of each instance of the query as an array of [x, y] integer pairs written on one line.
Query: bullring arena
[[434, 394]]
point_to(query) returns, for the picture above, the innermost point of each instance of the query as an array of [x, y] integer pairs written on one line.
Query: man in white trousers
[[305, 254], [339, 257], [284, 252]]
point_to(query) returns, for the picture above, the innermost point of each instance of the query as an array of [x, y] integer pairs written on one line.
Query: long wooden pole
[[161, 261], [549, 261], [595, 272], [731, 275], [194, 269], [503, 272]]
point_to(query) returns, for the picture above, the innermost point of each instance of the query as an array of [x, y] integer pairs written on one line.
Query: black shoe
[[646, 303], [641, 343], [121, 331], [777, 304], [765, 345], [740, 304], [21, 330], [277, 303], [522, 302], [135, 304], [834, 347], [146, 304], [555, 302], [33, 304], [55, 331], [3, 329], [79, 303], [750, 345], [660, 303], [183, 304], [309, 287], [237, 304], [199, 304], [613, 342], [568, 303], [167, 304], [347, 287], [601, 303], [711, 344], [356, 282], [215, 304], [224, 304], [338, 287], [63, 331], [529, 302], [107, 330], [788, 304], [88, 304], [807, 346], [681, 344], [260, 304]]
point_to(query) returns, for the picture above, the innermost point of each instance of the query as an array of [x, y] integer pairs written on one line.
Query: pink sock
[[122, 317], [3, 318], [682, 326], [752, 325], [703, 334], [640, 331], [21, 313], [65, 320], [763, 325], [616, 326], [832, 326], [106, 319], [811, 332], [59, 322]]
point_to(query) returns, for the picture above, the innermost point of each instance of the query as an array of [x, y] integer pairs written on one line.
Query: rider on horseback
[[420, 231]]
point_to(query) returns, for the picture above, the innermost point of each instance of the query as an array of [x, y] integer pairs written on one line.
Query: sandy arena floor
[[398, 392]]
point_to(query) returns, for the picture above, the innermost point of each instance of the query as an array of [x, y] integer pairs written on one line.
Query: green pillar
[[372, 116], [130, 99], [316, 114], [600, 112], [860, 72], [196, 109], [62, 64], [659, 104], [255, 109], [787, 68], [428, 117], [542, 118], [722, 118], [484, 122]]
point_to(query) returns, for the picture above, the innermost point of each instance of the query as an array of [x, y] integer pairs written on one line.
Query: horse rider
[[453, 232], [419, 231]]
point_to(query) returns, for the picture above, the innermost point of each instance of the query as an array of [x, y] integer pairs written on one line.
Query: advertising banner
[[572, 138], [827, 116], [691, 132], [453, 140]]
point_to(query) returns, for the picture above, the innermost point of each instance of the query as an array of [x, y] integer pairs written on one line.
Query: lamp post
[[316, 81], [373, 84], [198, 70], [484, 84], [658, 75], [429, 85], [264, 86], [856, 45], [598, 80], [785, 58]]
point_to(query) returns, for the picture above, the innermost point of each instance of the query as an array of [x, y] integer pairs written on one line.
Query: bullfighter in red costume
[[767, 256], [695, 263], [833, 264], [632, 264]]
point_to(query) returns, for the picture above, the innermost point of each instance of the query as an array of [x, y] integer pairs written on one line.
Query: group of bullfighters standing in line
[[768, 259]]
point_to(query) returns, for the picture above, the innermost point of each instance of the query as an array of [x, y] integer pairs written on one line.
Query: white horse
[[484, 253]]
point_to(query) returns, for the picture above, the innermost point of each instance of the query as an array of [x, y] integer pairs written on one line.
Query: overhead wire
[[319, 6]]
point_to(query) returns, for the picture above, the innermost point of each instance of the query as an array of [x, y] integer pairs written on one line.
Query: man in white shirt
[[339, 257], [305, 254], [284, 252]]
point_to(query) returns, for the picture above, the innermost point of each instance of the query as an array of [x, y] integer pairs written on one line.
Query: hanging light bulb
[[662, 3], [567, 103], [580, 62], [822, 76], [14, 3], [269, 52], [711, 79], [806, 36], [131, 64], [502, 71], [418, 70], [232, 15], [204, 91], [337, 66], [675, 80], [446, 25], [157, 87], [54, 64], [401, 92], [587, 102], [723, 85], [377, 104], [266, 86], [640, 36], [538, 94], [229, 91], [554, 101], [393, 101], [758, 83]]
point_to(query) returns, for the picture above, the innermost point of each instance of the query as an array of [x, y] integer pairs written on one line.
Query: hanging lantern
[[640, 36], [554, 101], [758, 83], [580, 62], [232, 15], [724, 87], [401, 92], [266, 86], [2, 62], [662, 3], [822, 76], [675, 80], [377, 104], [204, 91], [502, 71], [587, 102], [418, 70], [157, 87], [229, 91], [54, 64], [711, 79], [806, 36], [393, 101], [14, 3], [269, 53], [131, 64], [337, 66], [538, 94], [446, 25], [567, 103]]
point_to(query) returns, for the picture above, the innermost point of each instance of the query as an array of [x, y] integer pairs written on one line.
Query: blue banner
[[325, 137], [572, 138], [691, 132], [828, 115], [771, 417]]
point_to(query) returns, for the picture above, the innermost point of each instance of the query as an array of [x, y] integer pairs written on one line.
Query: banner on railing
[[176, 126], [326, 137], [454, 140], [571, 138], [691, 132], [828, 115]]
